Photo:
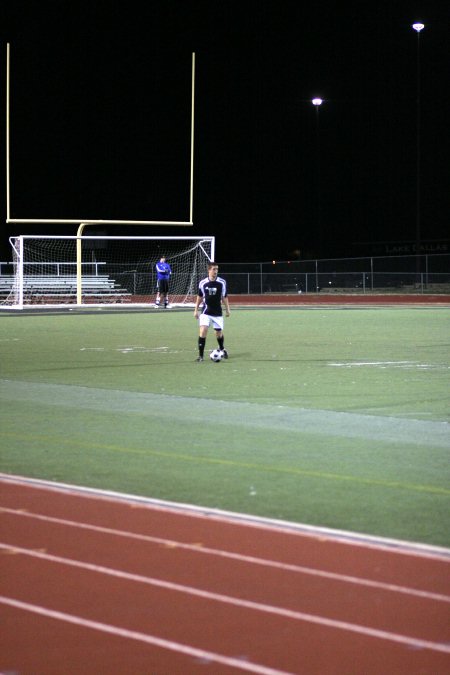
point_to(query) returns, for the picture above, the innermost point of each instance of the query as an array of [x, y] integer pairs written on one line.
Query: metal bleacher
[[40, 286]]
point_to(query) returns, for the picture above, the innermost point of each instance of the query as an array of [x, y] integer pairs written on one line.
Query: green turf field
[[330, 417]]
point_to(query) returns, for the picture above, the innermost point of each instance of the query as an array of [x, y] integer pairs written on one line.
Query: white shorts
[[215, 321]]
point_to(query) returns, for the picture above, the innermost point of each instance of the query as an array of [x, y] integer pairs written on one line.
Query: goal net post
[[56, 271]]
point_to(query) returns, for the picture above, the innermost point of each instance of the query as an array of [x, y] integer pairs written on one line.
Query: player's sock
[[201, 346], [220, 341]]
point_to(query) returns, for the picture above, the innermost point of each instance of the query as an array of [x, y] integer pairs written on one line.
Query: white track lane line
[[143, 637], [235, 556], [414, 643], [353, 539]]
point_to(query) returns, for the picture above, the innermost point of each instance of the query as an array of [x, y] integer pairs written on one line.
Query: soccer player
[[212, 292], [163, 272]]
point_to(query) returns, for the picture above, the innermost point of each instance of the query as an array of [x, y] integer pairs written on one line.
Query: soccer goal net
[[88, 270]]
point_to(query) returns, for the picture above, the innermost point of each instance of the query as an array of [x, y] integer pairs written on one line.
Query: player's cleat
[[199, 359], [224, 354]]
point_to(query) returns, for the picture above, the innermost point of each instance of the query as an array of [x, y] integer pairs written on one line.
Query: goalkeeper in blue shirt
[[163, 272]]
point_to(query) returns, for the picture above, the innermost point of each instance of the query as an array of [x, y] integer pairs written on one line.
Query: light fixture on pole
[[418, 27], [317, 102]]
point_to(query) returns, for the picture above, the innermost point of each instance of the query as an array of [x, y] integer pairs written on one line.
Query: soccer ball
[[216, 355]]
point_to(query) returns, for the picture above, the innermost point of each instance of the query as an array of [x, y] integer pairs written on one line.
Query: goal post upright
[[74, 261], [7, 131], [83, 222], [191, 185]]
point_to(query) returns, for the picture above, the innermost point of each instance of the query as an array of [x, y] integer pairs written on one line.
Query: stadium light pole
[[317, 102], [418, 27]]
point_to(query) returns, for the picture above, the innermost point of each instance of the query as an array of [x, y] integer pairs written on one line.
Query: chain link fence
[[390, 274]]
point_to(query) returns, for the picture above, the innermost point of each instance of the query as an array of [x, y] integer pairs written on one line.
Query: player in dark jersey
[[212, 292]]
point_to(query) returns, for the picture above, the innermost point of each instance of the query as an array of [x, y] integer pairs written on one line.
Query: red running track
[[360, 299], [93, 583]]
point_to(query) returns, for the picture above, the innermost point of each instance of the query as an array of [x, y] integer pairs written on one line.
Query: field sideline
[[335, 418]]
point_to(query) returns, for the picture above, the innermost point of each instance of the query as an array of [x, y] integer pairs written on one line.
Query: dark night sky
[[100, 114]]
